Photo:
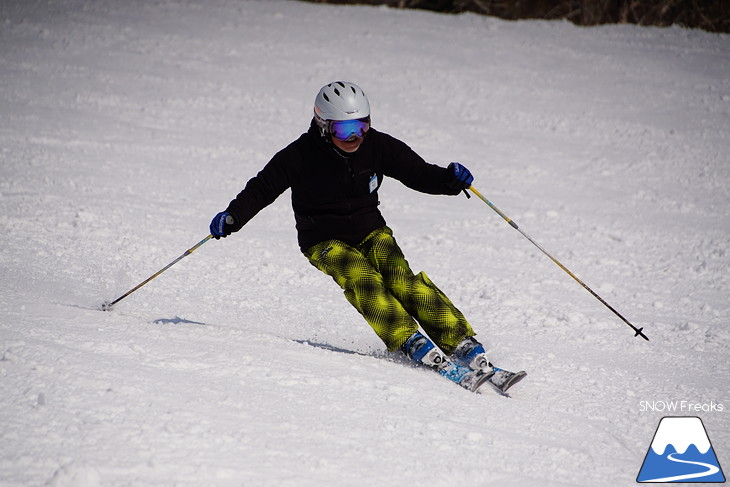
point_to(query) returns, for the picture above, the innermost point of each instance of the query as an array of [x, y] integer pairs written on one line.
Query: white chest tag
[[373, 185]]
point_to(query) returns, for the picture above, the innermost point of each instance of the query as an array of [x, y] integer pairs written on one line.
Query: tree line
[[709, 15]]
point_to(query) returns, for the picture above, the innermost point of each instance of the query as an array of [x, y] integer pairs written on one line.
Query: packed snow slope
[[127, 125]]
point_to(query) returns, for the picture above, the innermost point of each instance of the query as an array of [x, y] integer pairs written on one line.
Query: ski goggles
[[345, 129]]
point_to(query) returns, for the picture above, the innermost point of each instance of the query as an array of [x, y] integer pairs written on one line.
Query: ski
[[501, 380], [470, 353], [474, 380], [469, 379]]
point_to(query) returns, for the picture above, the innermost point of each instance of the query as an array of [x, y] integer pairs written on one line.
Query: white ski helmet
[[340, 100]]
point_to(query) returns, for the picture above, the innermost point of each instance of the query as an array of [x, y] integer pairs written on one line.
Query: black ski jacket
[[335, 194]]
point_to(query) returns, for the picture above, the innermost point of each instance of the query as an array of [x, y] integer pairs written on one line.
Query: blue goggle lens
[[344, 129]]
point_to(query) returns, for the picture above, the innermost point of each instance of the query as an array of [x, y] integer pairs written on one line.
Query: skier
[[334, 171]]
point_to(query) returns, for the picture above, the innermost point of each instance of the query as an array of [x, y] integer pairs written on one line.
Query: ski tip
[[502, 387], [514, 380]]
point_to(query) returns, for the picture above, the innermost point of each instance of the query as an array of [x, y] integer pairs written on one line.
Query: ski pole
[[107, 306], [514, 225]]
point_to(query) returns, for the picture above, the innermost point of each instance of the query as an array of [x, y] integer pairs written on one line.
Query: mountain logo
[[681, 452]]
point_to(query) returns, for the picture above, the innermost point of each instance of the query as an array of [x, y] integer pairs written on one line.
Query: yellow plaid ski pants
[[379, 283]]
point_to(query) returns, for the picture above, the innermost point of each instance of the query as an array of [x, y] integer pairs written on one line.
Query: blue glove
[[459, 177], [221, 225]]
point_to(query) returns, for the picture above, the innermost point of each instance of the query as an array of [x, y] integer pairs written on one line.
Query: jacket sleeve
[[265, 187], [404, 164]]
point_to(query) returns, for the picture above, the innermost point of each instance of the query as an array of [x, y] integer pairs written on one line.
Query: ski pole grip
[[229, 220]]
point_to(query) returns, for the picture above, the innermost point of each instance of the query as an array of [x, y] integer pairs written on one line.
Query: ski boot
[[470, 353], [422, 350]]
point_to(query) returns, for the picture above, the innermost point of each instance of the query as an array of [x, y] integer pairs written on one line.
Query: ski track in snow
[[127, 125], [711, 470]]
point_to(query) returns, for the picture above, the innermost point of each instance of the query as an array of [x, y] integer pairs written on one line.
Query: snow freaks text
[[681, 407]]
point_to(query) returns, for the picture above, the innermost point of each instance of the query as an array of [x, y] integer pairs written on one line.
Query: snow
[[127, 125], [681, 433]]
